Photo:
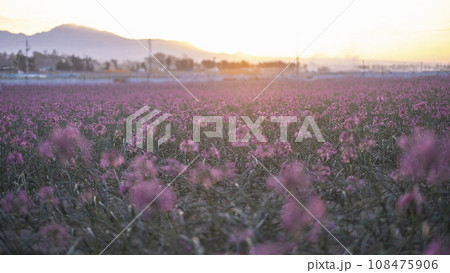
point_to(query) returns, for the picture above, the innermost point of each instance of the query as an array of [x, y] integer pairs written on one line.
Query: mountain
[[102, 45]]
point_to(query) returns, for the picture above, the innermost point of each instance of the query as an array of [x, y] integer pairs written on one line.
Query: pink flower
[[354, 183], [213, 152], [436, 248], [424, 157], [46, 151], [348, 153], [46, 195], [68, 141], [204, 175], [173, 167], [410, 198], [144, 166], [264, 150], [56, 234], [326, 151], [113, 158], [19, 203], [99, 130], [293, 176], [27, 139], [188, 146], [152, 192], [15, 158], [321, 171], [366, 144], [294, 218], [346, 138]]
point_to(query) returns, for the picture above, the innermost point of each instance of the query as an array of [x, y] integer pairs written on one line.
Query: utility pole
[[27, 48], [149, 59], [297, 66]]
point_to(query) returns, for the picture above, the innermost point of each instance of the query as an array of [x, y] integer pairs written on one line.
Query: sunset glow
[[388, 30]]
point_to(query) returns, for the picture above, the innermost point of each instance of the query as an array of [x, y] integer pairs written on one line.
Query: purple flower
[[424, 157], [366, 144], [143, 167], [162, 199], [326, 151], [264, 150], [188, 146], [348, 152], [15, 158], [173, 167], [68, 141], [19, 203], [321, 171], [407, 199], [204, 175], [46, 195], [293, 176], [294, 218], [436, 248], [46, 151], [113, 158], [99, 130], [26, 139], [56, 234]]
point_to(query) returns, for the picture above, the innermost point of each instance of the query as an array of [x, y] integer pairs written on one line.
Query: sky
[[398, 30]]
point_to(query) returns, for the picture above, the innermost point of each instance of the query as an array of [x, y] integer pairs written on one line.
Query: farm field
[[378, 184]]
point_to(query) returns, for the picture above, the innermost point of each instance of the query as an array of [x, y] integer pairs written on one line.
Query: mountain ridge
[[102, 45]]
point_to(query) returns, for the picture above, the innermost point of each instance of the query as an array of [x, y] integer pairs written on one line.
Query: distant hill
[[102, 45]]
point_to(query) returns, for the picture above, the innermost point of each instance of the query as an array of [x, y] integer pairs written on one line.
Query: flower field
[[379, 184]]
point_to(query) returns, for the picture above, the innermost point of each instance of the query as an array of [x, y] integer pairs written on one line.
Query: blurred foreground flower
[[19, 203], [188, 145], [67, 143], [425, 157], [436, 248], [113, 158], [56, 234], [294, 178], [47, 196], [144, 193], [15, 158], [407, 199]]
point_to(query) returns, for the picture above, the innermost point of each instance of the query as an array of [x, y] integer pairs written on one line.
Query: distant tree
[[161, 57], [77, 63], [185, 64], [63, 65], [20, 62], [323, 69], [274, 64], [107, 65], [88, 64], [208, 64], [7, 61], [114, 64]]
